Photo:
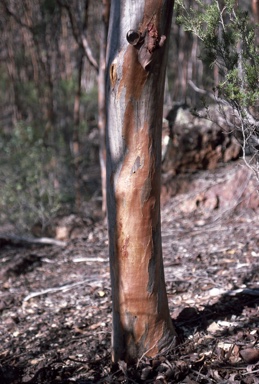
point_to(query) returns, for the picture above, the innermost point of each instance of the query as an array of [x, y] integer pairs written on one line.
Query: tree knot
[[146, 43]]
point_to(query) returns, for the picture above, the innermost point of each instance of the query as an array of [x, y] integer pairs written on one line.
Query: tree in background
[[29, 56], [79, 27], [102, 98], [47, 87], [255, 8], [137, 54]]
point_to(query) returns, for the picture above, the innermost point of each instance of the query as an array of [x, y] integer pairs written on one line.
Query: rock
[[191, 143], [236, 188], [71, 226]]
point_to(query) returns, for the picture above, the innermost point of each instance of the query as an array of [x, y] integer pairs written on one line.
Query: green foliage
[[65, 93], [37, 173], [28, 97], [229, 41], [4, 83], [28, 181], [90, 100]]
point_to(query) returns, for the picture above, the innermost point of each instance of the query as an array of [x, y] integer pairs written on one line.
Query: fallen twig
[[53, 290], [17, 240]]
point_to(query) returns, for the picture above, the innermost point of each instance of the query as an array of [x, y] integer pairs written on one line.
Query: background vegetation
[[49, 103]]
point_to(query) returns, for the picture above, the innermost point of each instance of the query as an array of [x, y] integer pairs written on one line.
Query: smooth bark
[[137, 53], [255, 9], [101, 98]]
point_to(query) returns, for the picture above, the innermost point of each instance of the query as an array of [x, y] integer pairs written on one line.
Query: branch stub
[[133, 37]]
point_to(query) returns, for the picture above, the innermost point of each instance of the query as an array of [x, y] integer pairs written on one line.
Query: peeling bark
[[137, 52]]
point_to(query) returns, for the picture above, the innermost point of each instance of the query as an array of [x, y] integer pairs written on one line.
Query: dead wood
[[25, 241]]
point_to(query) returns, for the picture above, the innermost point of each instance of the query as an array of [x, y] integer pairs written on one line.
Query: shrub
[[229, 41], [28, 180]]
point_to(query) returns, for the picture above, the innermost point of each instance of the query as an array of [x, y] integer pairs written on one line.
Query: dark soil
[[55, 303]]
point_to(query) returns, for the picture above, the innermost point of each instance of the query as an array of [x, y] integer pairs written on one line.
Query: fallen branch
[[17, 240]]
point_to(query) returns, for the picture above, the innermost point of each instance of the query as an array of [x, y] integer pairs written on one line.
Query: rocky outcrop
[[228, 188], [193, 143]]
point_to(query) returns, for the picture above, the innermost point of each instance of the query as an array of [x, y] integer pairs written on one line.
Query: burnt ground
[[55, 303]]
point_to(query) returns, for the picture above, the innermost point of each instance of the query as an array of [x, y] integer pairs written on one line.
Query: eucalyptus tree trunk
[[136, 63]]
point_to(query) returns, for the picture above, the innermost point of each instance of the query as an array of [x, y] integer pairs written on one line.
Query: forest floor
[[55, 301]]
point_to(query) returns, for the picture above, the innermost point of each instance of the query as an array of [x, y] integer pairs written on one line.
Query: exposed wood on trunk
[[141, 320]]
